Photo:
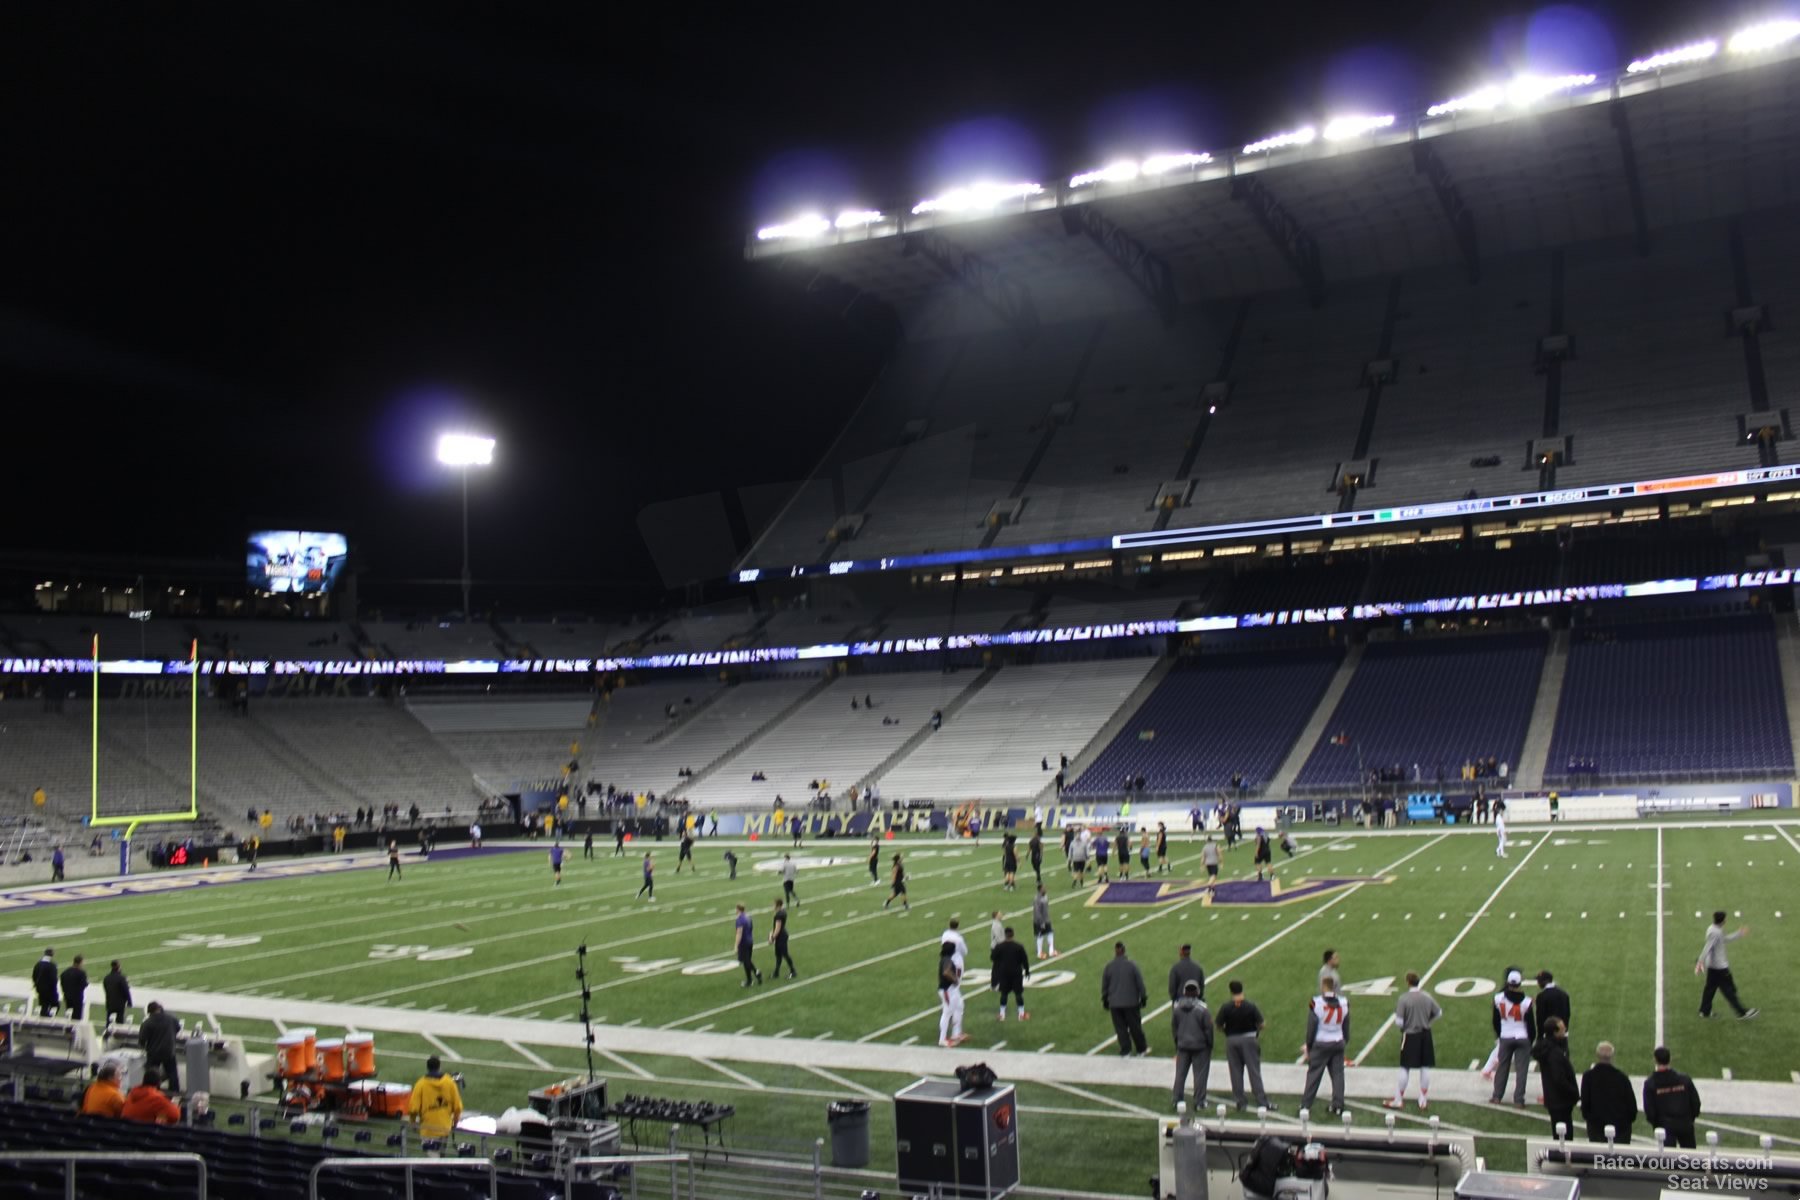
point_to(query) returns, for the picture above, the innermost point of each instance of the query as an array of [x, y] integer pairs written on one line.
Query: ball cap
[[1514, 978]]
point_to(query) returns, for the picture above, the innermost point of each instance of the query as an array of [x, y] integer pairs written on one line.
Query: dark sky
[[249, 249]]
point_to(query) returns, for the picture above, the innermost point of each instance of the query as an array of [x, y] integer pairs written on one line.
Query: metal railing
[[633, 1162], [407, 1166], [68, 1159]]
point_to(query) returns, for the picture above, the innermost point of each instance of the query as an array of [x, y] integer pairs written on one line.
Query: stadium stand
[[1429, 704], [992, 748], [1212, 718], [503, 741], [825, 738], [1617, 723], [372, 749]]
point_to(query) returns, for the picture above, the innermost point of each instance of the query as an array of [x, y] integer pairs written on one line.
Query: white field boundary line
[[507, 888], [709, 1064], [440, 1047], [1786, 836], [911, 949], [622, 1061], [1662, 984], [1109, 936], [1083, 1094], [1245, 957], [1425, 979], [530, 1056], [868, 1093]]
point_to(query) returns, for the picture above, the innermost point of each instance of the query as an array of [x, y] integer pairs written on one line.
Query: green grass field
[[491, 935]]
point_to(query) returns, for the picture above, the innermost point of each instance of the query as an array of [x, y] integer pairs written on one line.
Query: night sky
[[256, 255]]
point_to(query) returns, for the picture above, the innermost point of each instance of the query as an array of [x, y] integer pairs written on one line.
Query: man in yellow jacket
[[436, 1103]]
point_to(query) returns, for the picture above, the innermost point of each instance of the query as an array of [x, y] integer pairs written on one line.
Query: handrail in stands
[[634, 1160], [69, 1158], [388, 1164]]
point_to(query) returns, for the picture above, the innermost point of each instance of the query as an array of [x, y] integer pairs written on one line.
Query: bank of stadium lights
[[977, 197], [1127, 170], [856, 218], [810, 225], [1302, 136], [1697, 52], [1521, 92], [1339, 128], [1766, 36]]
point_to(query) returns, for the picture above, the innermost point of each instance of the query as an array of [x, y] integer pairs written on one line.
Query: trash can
[[849, 1122]]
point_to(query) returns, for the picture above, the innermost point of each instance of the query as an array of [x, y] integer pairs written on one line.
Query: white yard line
[[438, 1045], [530, 1056], [849, 1084], [1661, 904], [1425, 979], [626, 1063], [1786, 836], [726, 1071], [1240, 960], [1084, 1094]]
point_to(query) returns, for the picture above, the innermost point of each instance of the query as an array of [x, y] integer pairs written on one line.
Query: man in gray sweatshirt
[[1184, 972], [1414, 1013], [1193, 1029], [1123, 994], [1717, 967]]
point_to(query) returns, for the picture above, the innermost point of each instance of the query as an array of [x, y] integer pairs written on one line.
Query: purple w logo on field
[[1228, 891]]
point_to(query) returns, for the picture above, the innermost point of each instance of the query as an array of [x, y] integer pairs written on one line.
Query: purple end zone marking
[[1228, 891], [176, 880]]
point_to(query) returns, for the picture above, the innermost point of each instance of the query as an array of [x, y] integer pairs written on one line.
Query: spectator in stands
[[43, 981], [1716, 966], [157, 1037], [147, 1103], [436, 1103], [1607, 1098], [103, 1097], [74, 989], [1557, 1076], [1123, 994], [1671, 1102], [118, 994]]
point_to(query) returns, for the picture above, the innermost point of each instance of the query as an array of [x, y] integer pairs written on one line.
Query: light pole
[[462, 451]]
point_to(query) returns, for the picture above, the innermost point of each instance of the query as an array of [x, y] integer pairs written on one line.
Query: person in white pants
[[1040, 925], [1500, 834], [950, 997]]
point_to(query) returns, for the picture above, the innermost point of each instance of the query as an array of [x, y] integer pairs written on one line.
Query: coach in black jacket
[[1671, 1102], [1607, 1098], [43, 979], [74, 989], [118, 994], [1123, 993], [1557, 1073], [1551, 1001]]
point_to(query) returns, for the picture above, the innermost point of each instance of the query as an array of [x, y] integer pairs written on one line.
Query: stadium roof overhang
[[1644, 152]]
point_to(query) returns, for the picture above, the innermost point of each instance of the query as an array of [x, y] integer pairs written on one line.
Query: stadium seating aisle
[[733, 716], [1430, 703], [991, 750], [827, 739], [1212, 718], [1616, 712]]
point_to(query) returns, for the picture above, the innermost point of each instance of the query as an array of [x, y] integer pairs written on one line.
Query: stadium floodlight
[[462, 451], [810, 225], [1296, 137], [1119, 172], [977, 197], [1162, 164], [856, 218], [1766, 36], [1697, 52], [1339, 128], [1480, 100], [1521, 92]]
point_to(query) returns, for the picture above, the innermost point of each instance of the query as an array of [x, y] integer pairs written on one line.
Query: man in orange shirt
[[148, 1104], [103, 1098]]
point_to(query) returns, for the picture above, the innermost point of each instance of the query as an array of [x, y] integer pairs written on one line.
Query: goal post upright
[[132, 821]]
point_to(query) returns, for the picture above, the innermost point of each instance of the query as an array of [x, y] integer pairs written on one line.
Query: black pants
[[56, 873], [46, 1005], [587, 851], [787, 887], [115, 1016], [1565, 1114], [170, 1074], [1681, 1137], [1718, 980], [76, 1008], [1014, 988], [749, 967], [394, 868], [1037, 868], [649, 886], [782, 956], [1128, 1023]]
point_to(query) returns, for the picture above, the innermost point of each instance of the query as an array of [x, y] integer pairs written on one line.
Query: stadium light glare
[[1339, 128], [1162, 164], [810, 225], [1521, 92], [1765, 36], [977, 197], [856, 218], [465, 450], [1296, 137], [1697, 52], [1119, 172]]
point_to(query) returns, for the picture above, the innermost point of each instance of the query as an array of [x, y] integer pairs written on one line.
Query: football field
[[1616, 912]]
